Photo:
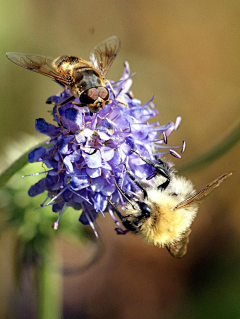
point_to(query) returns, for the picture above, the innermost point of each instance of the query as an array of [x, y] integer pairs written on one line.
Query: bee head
[[139, 213], [144, 209]]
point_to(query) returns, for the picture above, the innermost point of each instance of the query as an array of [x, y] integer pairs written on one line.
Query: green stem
[[49, 294], [222, 148], [16, 166]]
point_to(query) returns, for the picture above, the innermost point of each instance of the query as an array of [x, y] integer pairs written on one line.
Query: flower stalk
[[49, 288]]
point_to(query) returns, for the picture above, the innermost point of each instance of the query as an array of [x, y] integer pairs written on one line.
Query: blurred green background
[[186, 53]]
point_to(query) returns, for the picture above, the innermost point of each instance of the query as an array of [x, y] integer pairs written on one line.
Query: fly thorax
[[85, 80]]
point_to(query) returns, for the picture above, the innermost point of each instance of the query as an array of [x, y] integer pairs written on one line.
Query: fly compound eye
[[145, 209], [89, 96], [103, 93]]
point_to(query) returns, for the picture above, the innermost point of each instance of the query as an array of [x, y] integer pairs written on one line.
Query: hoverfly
[[85, 80]]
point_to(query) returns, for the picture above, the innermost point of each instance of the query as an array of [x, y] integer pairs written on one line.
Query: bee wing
[[203, 192], [179, 248], [103, 55], [37, 63]]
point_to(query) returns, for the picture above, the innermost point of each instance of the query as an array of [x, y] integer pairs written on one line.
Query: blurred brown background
[[186, 53]]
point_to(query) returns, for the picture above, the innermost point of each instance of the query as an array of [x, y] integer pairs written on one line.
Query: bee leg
[[160, 168], [130, 174], [125, 195], [164, 185], [116, 210], [123, 219]]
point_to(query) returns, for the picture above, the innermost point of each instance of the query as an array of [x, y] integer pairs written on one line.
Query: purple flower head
[[89, 153]]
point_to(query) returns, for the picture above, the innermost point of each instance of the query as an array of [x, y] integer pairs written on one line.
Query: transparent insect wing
[[37, 63], [179, 248], [203, 192], [103, 55]]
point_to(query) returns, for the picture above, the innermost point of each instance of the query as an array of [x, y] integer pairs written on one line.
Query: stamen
[[119, 92], [124, 195], [120, 82], [115, 209], [161, 154], [151, 176], [174, 153], [92, 225], [169, 130], [39, 173], [177, 122], [121, 231], [98, 228], [56, 224], [42, 206], [114, 218], [43, 203], [142, 124], [166, 147], [55, 197], [146, 104], [183, 147], [165, 138], [157, 137], [86, 199]]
